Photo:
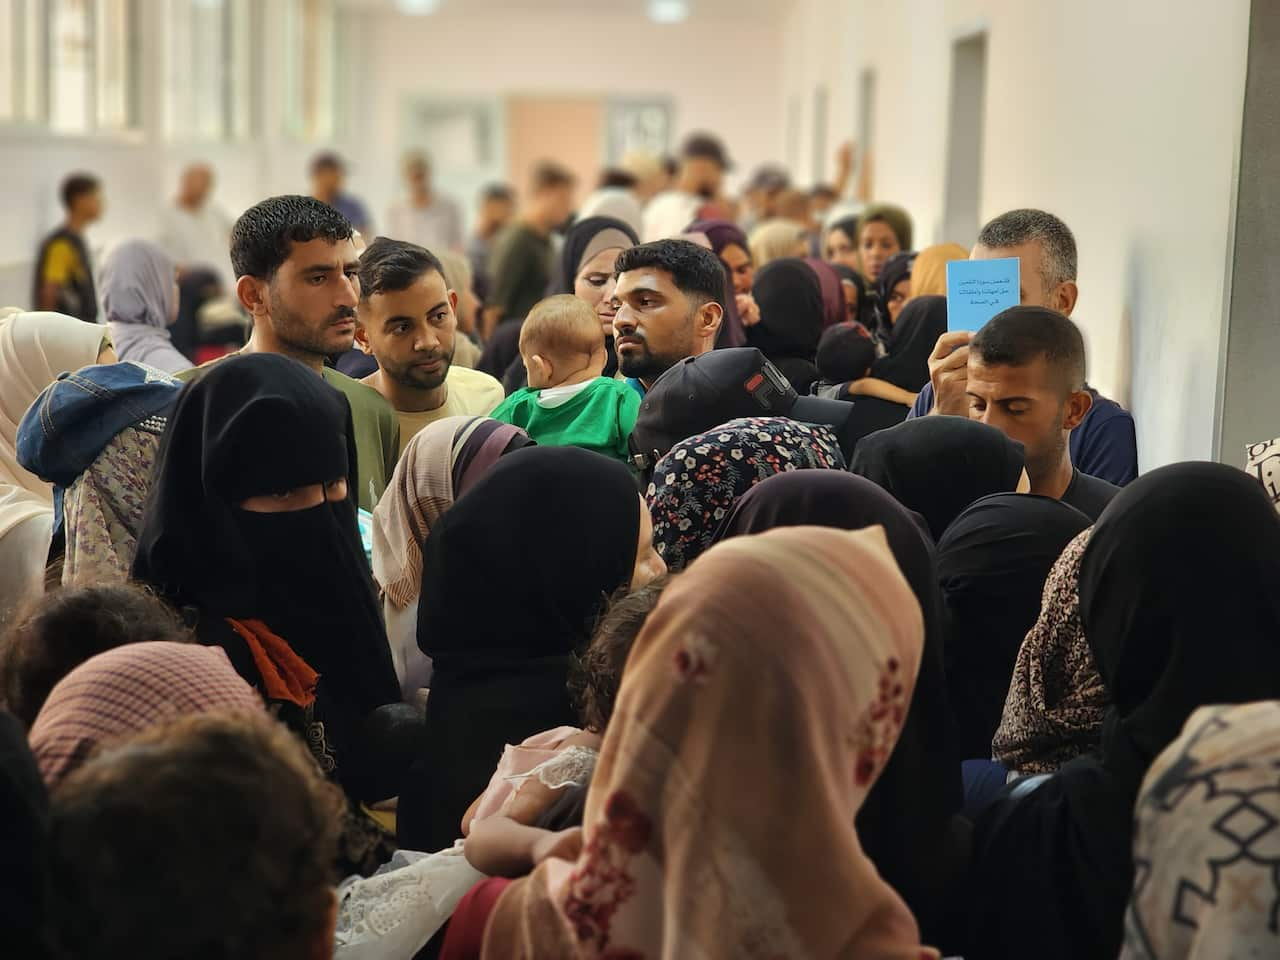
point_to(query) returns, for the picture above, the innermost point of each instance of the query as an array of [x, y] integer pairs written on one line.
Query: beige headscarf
[[776, 239], [929, 272], [34, 349], [421, 489], [757, 707]]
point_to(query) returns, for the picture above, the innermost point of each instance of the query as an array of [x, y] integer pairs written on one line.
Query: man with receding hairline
[[1105, 444], [194, 231]]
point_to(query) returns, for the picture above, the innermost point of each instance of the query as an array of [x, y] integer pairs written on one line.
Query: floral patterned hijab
[[697, 483], [1056, 701], [720, 733]]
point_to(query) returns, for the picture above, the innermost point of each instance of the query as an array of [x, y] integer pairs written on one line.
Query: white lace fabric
[[392, 915]]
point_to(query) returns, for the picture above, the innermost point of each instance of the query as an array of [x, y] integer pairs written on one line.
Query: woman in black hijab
[[251, 530], [513, 577], [859, 304], [792, 314], [1180, 599], [992, 565], [889, 299], [909, 825], [910, 342], [939, 465]]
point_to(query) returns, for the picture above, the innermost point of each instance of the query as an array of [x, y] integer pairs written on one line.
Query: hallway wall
[[1121, 116]]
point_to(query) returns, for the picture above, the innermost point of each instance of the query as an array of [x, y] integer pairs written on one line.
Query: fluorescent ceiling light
[[668, 11], [418, 8]]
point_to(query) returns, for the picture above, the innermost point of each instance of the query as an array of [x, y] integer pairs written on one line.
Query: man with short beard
[[668, 303], [408, 322], [296, 275]]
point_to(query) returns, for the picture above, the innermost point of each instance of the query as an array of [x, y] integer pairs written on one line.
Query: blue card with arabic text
[[979, 289]]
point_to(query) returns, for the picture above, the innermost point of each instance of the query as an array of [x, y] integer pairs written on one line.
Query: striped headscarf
[[129, 689]]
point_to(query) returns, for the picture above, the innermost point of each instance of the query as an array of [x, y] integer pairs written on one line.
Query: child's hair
[[845, 352], [597, 673], [561, 329], [63, 629]]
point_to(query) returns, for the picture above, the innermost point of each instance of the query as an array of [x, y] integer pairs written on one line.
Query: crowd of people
[[655, 575]]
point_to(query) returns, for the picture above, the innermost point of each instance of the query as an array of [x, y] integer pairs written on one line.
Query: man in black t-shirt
[[63, 279], [1026, 377], [520, 265]]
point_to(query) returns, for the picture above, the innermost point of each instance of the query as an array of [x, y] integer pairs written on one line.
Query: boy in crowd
[[64, 270]]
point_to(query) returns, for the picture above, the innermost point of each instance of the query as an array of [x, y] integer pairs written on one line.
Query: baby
[[568, 402]]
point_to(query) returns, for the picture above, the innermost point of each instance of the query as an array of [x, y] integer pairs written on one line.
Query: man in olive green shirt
[[520, 265], [296, 273]]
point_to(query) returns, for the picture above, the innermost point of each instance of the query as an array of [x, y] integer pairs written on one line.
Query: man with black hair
[[64, 271], [408, 322], [297, 276], [496, 208], [668, 303], [520, 266], [328, 176], [424, 216], [1105, 445], [1026, 378]]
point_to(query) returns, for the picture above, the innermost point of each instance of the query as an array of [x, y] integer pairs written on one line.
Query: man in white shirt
[[194, 232], [424, 217]]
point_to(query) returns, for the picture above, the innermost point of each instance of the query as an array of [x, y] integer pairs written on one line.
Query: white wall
[[719, 71], [1121, 116], [721, 74]]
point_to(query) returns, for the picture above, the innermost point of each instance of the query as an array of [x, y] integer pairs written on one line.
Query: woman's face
[[301, 498], [897, 297], [649, 566], [739, 263], [850, 298], [594, 284], [877, 244], [840, 249]]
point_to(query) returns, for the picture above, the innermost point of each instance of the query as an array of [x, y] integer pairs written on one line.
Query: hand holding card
[[979, 289]]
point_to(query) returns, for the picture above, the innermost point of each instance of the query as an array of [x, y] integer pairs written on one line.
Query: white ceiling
[[734, 9]]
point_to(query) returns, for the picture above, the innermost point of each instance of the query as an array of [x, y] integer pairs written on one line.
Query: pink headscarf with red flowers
[[758, 706]]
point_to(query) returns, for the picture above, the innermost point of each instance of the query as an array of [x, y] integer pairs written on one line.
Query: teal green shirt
[[599, 417]]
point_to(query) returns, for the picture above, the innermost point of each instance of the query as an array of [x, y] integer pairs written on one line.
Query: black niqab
[[261, 424]]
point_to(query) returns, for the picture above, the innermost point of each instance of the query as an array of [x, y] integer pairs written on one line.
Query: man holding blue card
[[1028, 257]]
